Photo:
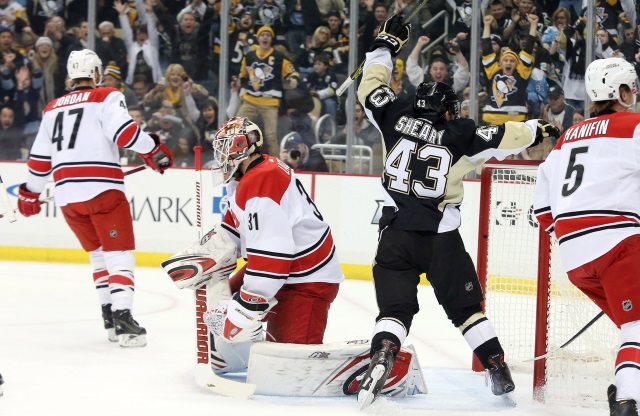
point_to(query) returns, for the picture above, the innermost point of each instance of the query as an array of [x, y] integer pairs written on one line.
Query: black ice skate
[[107, 318], [620, 407], [128, 331], [499, 375], [376, 376]]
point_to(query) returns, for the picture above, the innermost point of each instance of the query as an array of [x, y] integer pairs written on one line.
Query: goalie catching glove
[[544, 130], [240, 319], [160, 157], [392, 35], [214, 256]]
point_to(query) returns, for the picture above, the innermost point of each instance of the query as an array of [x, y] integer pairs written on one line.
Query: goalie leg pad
[[327, 370]]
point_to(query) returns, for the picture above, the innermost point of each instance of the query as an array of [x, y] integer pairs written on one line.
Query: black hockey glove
[[544, 130], [393, 35]]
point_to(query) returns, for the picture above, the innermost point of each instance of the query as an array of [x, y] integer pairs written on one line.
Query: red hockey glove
[[160, 158], [28, 202]]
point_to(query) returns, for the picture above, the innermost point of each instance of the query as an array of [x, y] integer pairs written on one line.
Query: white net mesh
[[579, 373]]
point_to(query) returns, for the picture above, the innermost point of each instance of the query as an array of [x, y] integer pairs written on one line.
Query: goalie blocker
[[327, 370]]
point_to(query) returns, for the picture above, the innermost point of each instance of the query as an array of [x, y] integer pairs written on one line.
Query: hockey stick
[[573, 338], [205, 377], [50, 198], [405, 20], [7, 204]]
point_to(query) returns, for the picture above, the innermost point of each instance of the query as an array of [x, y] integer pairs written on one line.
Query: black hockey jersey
[[425, 162]]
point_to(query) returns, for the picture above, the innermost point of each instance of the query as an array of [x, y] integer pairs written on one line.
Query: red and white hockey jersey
[[279, 230], [78, 141], [588, 189]]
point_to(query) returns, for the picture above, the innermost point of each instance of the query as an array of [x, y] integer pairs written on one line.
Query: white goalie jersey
[[78, 142], [279, 230]]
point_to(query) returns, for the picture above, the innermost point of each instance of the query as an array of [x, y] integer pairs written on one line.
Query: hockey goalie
[[278, 369], [292, 276]]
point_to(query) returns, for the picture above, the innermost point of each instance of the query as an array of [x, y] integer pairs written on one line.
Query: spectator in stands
[[520, 15], [143, 50], [376, 14], [629, 45], [296, 34], [81, 33], [11, 60], [558, 112], [113, 78], [606, 45], [183, 155], [578, 116], [323, 84], [13, 15], [48, 76], [240, 43], [301, 158], [561, 17], [182, 92], [327, 7], [400, 83], [109, 47], [465, 108], [334, 23], [190, 46], [168, 129], [571, 42], [11, 126], [140, 88], [39, 12], [207, 123], [56, 30], [501, 19], [270, 13], [341, 50], [319, 44], [508, 77], [263, 72]]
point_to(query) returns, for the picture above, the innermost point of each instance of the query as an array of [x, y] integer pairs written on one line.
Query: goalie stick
[[573, 338], [405, 20], [204, 375], [46, 200]]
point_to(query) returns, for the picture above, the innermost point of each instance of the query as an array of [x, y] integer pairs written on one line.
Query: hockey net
[[530, 300]]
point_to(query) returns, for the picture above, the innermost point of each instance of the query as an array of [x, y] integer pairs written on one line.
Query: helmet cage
[[234, 142]]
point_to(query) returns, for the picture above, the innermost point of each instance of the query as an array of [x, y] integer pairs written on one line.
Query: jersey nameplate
[[418, 128], [72, 99]]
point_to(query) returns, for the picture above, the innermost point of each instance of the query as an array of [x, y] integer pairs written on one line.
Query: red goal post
[[530, 300]]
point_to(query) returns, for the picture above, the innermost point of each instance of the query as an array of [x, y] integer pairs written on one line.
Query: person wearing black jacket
[[429, 150]]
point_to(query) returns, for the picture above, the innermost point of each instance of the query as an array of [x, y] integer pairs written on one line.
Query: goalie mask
[[233, 143]]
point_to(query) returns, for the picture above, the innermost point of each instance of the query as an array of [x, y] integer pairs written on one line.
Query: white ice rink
[[56, 360]]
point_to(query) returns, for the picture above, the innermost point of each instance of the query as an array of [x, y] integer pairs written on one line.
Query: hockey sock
[[387, 328], [120, 265], [100, 276], [479, 333], [628, 363]]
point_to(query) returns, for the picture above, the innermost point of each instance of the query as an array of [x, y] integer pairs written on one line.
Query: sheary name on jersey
[[418, 128]]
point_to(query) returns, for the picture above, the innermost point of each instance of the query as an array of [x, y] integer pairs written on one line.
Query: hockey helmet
[[84, 64], [604, 77], [234, 142], [433, 100]]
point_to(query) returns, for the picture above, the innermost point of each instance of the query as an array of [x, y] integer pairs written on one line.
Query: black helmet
[[433, 100]]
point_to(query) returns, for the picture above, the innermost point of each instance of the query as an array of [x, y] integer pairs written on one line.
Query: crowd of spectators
[[288, 57]]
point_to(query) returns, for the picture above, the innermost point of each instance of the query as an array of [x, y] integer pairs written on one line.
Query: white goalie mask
[[233, 142], [85, 64], [604, 77]]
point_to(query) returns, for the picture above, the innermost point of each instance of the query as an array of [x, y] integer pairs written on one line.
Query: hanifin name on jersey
[[418, 128], [72, 99], [587, 130]]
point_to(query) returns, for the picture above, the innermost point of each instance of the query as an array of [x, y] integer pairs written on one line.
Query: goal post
[[530, 300]]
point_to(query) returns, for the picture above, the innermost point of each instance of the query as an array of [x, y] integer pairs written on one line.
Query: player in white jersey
[[78, 142], [588, 195], [291, 259]]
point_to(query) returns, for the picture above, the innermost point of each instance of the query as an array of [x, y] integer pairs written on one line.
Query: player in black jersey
[[429, 149]]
